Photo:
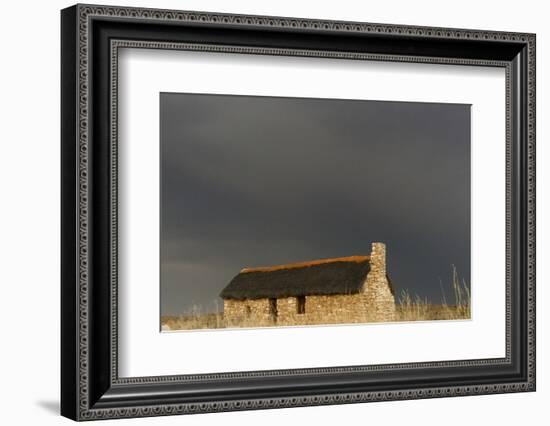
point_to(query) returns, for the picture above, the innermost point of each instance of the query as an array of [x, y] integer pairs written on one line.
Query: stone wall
[[348, 308], [247, 313], [339, 308], [336, 309], [287, 311]]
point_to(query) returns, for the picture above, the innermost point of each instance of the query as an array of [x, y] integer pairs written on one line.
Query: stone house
[[326, 291]]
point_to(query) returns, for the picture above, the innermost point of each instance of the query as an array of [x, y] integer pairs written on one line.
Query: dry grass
[[418, 309], [409, 308], [193, 321]]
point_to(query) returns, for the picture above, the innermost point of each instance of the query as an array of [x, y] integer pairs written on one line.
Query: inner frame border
[[117, 44]]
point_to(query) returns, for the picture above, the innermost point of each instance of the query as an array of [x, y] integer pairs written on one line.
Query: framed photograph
[[263, 212]]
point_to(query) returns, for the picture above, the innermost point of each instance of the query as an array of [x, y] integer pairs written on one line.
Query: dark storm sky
[[250, 181]]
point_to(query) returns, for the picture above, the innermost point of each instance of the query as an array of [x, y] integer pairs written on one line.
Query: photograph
[[286, 211]]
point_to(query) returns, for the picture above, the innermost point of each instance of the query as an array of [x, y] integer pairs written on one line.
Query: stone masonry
[[378, 296]]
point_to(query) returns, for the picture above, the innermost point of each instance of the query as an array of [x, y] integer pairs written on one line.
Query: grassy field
[[409, 308], [415, 311]]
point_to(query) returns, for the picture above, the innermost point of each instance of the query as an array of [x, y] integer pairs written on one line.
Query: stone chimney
[[378, 259], [379, 299]]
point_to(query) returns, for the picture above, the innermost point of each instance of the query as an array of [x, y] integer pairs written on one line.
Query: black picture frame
[[90, 386]]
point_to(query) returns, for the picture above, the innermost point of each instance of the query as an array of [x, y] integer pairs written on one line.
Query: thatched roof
[[344, 275]]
